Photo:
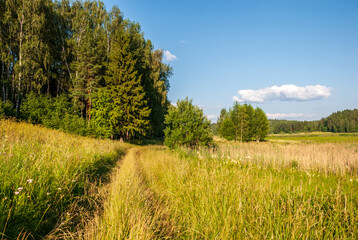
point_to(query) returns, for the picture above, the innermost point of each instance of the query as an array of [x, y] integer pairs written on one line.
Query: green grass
[[306, 188], [46, 176], [190, 194], [316, 137]]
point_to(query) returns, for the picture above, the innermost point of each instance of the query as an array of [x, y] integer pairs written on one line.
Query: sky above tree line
[[295, 59]]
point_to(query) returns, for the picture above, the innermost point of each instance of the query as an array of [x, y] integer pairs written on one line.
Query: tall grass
[[316, 137], [191, 194], [44, 173]]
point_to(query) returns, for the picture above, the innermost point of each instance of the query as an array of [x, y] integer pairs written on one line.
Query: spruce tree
[[129, 113]]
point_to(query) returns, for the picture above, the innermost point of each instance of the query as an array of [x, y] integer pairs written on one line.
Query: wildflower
[[351, 180], [29, 180], [20, 189], [48, 193], [73, 180], [59, 188], [17, 192]]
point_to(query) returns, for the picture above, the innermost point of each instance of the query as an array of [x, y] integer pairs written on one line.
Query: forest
[[72, 65], [341, 121]]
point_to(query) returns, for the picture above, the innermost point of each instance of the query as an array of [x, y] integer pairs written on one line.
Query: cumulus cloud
[[289, 115], [169, 56], [212, 117], [210, 107], [284, 93]]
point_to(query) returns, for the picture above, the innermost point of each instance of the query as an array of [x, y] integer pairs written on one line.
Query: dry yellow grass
[[337, 158], [230, 193]]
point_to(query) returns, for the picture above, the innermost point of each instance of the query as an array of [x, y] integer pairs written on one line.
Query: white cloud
[[210, 107], [183, 41], [289, 115], [212, 117], [284, 93], [169, 56]]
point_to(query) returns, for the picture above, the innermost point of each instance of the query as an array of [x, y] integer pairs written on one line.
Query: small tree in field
[[186, 125], [260, 125]]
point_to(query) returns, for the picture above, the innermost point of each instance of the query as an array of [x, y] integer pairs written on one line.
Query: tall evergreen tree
[[89, 50], [129, 112]]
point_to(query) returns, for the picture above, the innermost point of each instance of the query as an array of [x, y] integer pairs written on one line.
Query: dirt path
[[132, 210]]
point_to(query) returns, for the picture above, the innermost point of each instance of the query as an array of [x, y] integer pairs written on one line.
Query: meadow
[[49, 179], [277, 190], [60, 186]]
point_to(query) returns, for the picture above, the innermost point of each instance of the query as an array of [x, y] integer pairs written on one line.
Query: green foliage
[[58, 58], [56, 113], [6, 109], [35, 108], [226, 129], [100, 120], [129, 110], [260, 125], [243, 123], [187, 126], [341, 121]]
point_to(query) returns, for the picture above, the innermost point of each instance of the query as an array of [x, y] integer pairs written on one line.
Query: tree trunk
[[18, 95]]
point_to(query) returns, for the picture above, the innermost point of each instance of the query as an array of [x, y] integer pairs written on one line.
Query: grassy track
[[48, 178], [157, 194], [280, 189]]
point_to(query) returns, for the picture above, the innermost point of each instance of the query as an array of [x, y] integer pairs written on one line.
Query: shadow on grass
[[41, 213]]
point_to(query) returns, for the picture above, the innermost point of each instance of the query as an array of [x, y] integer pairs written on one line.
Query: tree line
[[243, 123], [341, 121], [74, 66]]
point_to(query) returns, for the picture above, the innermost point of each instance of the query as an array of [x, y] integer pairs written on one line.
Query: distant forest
[[74, 66], [341, 121]]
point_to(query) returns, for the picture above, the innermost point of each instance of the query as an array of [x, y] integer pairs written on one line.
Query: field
[[290, 187], [278, 190], [48, 179]]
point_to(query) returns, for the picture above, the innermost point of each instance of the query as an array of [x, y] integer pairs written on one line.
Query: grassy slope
[[46, 173], [230, 194]]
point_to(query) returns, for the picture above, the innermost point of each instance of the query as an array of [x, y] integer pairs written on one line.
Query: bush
[[6, 109], [186, 125]]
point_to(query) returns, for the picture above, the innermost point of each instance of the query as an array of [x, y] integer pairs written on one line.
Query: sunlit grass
[[43, 173], [316, 137], [279, 189], [237, 191]]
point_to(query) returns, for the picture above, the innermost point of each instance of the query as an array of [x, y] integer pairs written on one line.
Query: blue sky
[[295, 59]]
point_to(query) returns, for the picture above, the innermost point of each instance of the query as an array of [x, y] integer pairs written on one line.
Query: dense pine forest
[[341, 121], [72, 65]]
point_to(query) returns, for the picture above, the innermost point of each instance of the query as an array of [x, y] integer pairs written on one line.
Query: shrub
[[186, 125]]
